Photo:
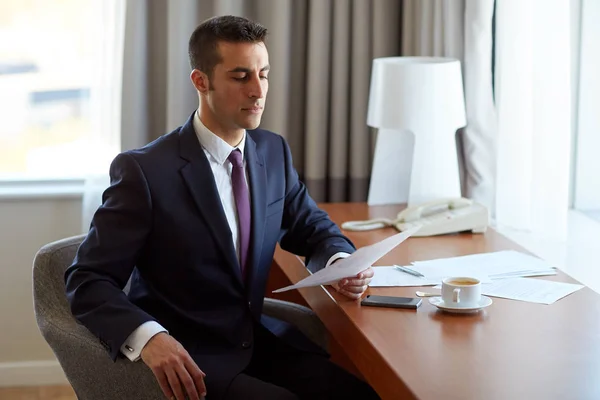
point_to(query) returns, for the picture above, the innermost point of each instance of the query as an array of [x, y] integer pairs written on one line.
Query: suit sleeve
[[106, 258], [306, 229]]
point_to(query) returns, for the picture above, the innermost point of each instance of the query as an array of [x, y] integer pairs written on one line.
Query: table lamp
[[417, 104]]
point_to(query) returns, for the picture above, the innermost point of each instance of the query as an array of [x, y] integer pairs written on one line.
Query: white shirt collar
[[216, 147]]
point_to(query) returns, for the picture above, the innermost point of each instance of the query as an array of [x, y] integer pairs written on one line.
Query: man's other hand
[[355, 287], [173, 367]]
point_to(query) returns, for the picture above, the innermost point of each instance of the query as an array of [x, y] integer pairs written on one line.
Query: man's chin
[[250, 123]]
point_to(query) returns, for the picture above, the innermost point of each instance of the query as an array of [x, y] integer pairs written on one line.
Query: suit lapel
[[200, 181], [258, 186]]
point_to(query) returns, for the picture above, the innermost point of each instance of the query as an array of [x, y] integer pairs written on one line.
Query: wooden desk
[[511, 350]]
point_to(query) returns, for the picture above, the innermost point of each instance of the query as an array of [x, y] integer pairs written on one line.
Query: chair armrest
[[90, 370], [301, 317]]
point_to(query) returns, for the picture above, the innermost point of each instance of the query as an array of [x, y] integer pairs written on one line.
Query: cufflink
[[129, 348]]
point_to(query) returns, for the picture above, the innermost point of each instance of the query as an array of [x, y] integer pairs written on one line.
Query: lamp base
[[392, 165], [413, 172]]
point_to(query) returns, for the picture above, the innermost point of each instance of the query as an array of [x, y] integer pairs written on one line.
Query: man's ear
[[200, 81]]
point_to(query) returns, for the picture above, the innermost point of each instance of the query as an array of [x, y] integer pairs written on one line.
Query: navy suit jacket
[[162, 223]]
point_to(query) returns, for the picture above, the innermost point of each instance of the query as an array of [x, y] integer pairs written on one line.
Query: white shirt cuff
[[132, 348], [336, 256]]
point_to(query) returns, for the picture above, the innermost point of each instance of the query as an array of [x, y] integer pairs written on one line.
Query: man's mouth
[[255, 109]]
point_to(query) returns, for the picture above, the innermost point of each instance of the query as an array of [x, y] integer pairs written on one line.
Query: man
[[194, 218]]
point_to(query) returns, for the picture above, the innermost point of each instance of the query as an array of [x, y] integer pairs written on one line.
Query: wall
[[26, 224]]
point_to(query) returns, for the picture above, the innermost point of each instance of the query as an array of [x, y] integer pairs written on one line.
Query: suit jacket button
[[246, 345], [249, 304]]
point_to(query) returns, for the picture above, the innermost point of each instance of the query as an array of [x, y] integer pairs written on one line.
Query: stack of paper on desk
[[485, 266]]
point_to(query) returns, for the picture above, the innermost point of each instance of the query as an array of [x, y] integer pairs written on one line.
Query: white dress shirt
[[217, 151]]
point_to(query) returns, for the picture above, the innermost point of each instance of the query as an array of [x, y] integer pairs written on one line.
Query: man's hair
[[203, 52]]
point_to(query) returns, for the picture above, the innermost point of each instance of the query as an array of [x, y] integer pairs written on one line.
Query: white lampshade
[[418, 104], [406, 90]]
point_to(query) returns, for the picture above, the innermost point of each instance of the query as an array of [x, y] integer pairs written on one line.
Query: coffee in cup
[[461, 292]]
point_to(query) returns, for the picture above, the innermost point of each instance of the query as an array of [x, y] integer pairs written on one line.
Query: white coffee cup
[[461, 291]]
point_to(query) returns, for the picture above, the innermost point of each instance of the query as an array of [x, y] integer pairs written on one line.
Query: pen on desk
[[409, 271]]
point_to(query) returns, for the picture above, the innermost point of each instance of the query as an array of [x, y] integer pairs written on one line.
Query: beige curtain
[[462, 29], [320, 53]]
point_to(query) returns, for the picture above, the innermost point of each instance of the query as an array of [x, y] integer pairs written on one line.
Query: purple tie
[[242, 202]]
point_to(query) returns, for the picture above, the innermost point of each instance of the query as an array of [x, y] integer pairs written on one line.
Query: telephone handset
[[435, 218]]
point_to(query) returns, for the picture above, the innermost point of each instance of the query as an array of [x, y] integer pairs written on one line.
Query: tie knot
[[235, 158]]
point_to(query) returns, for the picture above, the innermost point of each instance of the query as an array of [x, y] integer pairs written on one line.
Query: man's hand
[[173, 367], [356, 286]]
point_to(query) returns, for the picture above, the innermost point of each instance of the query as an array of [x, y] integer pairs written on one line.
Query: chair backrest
[[84, 360], [49, 299]]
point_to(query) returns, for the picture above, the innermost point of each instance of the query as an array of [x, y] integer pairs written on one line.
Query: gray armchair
[[84, 360]]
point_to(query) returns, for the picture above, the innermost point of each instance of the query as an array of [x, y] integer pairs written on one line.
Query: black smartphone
[[391, 301]]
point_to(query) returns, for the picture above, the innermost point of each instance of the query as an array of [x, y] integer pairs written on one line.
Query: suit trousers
[[278, 371]]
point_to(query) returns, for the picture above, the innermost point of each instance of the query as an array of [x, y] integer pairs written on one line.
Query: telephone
[[435, 218]]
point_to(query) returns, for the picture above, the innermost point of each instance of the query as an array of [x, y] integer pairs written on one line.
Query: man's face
[[239, 85]]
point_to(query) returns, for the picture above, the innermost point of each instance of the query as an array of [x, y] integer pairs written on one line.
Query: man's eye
[[245, 78]]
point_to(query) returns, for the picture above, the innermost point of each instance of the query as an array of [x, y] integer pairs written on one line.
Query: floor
[[38, 393]]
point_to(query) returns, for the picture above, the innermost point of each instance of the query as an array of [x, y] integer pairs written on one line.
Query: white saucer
[[439, 303]]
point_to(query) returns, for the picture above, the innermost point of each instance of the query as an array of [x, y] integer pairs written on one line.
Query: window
[[48, 54], [587, 142]]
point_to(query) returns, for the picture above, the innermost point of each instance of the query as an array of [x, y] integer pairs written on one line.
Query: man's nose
[[257, 88]]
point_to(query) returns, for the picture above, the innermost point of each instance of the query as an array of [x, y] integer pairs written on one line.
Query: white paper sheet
[[358, 261], [525, 273], [390, 276], [485, 266], [531, 290]]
